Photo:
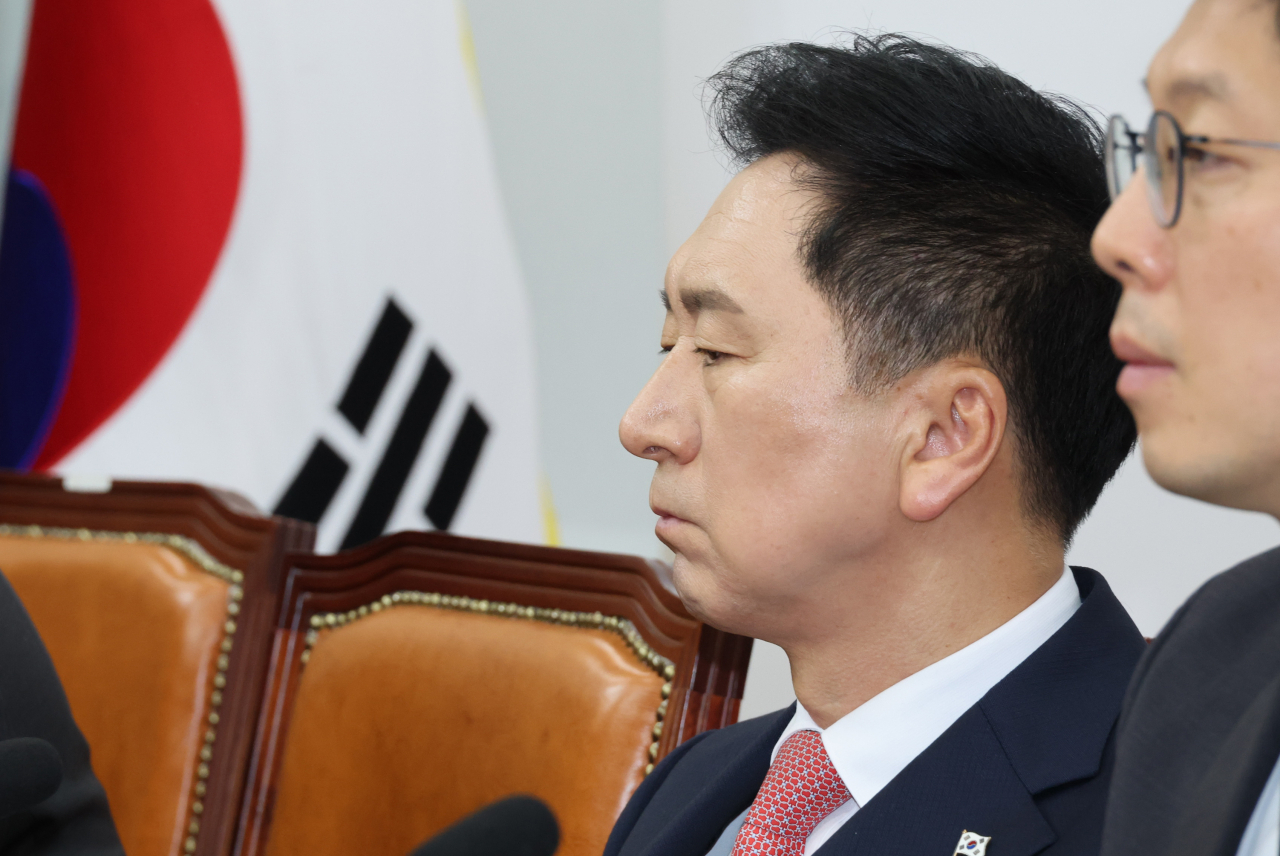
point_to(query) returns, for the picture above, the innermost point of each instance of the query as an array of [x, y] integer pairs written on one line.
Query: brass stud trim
[[191, 550], [623, 627], [188, 547]]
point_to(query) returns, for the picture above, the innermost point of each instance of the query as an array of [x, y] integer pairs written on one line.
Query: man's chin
[[682, 576], [705, 599], [696, 589], [1208, 474]]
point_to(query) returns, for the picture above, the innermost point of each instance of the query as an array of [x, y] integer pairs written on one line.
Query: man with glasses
[[1194, 240]]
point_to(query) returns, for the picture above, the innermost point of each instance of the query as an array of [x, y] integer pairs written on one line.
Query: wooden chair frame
[[705, 668], [225, 535]]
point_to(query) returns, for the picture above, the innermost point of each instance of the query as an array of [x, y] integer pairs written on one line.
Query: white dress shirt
[[1262, 835], [870, 745]]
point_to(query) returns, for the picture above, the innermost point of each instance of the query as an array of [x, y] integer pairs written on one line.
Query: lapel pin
[[972, 844]]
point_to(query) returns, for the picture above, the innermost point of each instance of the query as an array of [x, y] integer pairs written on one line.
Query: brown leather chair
[[422, 676], [156, 602]]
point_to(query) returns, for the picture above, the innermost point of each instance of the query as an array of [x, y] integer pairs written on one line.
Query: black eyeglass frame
[[1138, 148]]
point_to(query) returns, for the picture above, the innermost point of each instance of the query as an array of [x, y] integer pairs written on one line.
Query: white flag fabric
[[361, 353]]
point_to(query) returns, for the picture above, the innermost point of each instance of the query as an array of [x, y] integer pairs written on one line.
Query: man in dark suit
[[1194, 240], [75, 820], [886, 402]]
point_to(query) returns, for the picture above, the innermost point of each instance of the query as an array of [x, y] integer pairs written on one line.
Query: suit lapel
[[694, 812], [1045, 724], [962, 781], [1054, 713]]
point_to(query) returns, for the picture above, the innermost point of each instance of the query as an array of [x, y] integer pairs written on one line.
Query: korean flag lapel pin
[[972, 844]]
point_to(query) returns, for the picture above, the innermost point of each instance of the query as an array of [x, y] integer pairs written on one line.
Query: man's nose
[[660, 424], [1129, 244]]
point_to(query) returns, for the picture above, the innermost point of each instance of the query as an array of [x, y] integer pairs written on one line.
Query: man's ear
[[956, 428]]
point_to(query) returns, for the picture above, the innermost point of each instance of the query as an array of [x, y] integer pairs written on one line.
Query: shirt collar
[[870, 745]]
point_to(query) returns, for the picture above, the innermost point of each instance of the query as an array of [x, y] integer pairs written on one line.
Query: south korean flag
[[260, 244], [972, 844]]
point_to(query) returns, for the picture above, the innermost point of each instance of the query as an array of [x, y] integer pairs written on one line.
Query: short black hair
[[955, 210]]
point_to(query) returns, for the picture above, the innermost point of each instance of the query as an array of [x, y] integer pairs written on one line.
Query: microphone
[[30, 772], [521, 825]]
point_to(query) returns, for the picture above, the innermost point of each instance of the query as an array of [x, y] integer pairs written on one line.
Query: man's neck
[[913, 610]]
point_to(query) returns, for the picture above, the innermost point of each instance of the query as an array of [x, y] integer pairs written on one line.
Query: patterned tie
[[802, 788]]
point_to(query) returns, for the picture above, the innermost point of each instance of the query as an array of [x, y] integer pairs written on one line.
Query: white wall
[[607, 165], [571, 93], [15, 15]]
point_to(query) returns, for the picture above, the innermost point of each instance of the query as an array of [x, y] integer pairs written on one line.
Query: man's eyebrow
[[1185, 89], [697, 300]]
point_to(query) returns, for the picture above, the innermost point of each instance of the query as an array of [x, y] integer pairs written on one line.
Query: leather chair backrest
[[139, 590], [409, 718], [136, 632], [422, 676]]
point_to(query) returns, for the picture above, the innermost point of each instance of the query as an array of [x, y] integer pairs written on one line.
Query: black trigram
[[314, 487]]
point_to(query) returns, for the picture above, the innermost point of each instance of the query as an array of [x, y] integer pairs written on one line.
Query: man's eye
[[1201, 160], [665, 349], [710, 357]]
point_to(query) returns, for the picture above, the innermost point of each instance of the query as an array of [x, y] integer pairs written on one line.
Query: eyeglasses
[[1163, 149]]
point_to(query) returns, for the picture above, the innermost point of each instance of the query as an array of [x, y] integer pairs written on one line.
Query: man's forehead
[[706, 277], [1218, 48], [749, 238]]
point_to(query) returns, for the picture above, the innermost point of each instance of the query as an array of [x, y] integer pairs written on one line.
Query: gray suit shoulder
[[1228, 609], [1192, 689]]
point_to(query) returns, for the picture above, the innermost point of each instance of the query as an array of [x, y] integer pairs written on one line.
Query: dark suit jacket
[[1200, 731], [1027, 765], [75, 820]]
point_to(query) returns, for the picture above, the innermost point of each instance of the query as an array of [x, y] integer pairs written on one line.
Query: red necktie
[[801, 788]]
